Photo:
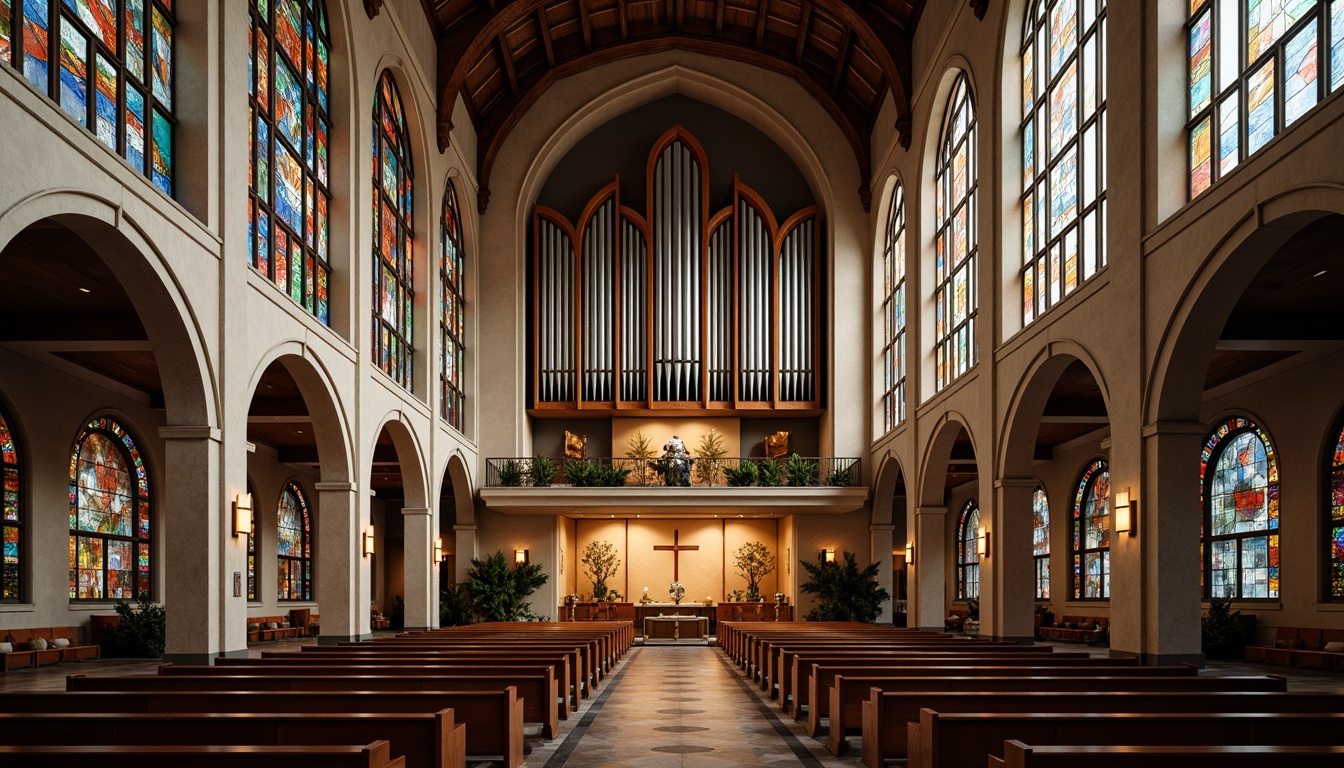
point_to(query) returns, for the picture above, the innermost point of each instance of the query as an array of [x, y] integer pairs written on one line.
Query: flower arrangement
[[676, 590]]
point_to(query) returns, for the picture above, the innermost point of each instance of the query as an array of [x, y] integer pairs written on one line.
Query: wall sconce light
[[1126, 513], [982, 543], [368, 540], [520, 557], [910, 552], [828, 555], [242, 515], [438, 550]]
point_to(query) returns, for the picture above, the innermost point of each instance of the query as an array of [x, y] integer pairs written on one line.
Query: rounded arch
[[890, 476], [294, 542], [414, 483], [14, 520], [1026, 407], [1332, 453], [931, 491], [458, 471], [1175, 389], [113, 512], [175, 332], [891, 300], [1240, 546], [331, 427], [422, 145]]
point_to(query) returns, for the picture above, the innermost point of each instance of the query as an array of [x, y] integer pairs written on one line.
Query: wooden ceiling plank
[[718, 18], [506, 54], [587, 28], [762, 13], [804, 24], [842, 59], [546, 35], [625, 28]]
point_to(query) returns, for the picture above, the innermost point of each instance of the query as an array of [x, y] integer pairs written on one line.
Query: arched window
[[288, 199], [1239, 479], [957, 239], [393, 257], [1040, 542], [1092, 534], [1255, 68], [1063, 150], [452, 317], [1335, 496], [109, 515], [294, 545], [11, 521], [968, 553], [893, 313], [115, 70], [252, 595]]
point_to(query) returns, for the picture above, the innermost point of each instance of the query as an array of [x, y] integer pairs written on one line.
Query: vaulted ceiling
[[500, 56]]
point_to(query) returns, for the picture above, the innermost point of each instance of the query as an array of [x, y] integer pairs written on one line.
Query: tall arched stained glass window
[[252, 594], [393, 255], [112, 71], [1335, 498], [955, 245], [11, 516], [1063, 150], [1256, 66], [893, 313], [294, 546], [288, 229], [452, 313], [109, 515], [1239, 479], [1092, 534], [1040, 542], [968, 554]]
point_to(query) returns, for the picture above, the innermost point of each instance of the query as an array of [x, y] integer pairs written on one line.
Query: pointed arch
[[394, 235], [111, 531], [293, 545], [1239, 486], [452, 312], [956, 238]]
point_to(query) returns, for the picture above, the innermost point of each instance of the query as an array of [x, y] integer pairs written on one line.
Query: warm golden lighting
[[828, 555], [910, 552], [982, 543], [242, 515], [520, 557], [1126, 513], [368, 540], [438, 550]]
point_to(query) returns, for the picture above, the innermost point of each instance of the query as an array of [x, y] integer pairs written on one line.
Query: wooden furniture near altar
[[675, 628], [686, 608], [599, 612], [751, 612]]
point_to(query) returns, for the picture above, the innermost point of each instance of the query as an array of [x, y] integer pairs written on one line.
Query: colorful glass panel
[[1040, 542], [957, 240], [288, 54], [6, 30], [968, 555], [393, 269], [252, 560], [11, 516], [893, 312], [1091, 533], [1239, 481], [110, 526], [452, 269], [294, 545], [1299, 75]]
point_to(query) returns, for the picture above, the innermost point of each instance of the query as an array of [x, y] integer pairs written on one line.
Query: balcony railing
[[742, 472]]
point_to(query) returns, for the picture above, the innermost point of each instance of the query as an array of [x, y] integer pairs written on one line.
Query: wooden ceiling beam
[[718, 18], [506, 54], [762, 13], [842, 59], [804, 24], [546, 43], [620, 12], [587, 27]]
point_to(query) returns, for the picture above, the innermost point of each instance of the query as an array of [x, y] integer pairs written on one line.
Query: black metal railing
[[742, 472]]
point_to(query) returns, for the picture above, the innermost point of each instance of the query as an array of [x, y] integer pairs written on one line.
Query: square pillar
[[467, 542], [881, 544], [341, 583], [929, 592], [419, 575], [196, 556], [1008, 584]]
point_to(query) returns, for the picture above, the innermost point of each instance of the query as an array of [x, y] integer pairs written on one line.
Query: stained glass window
[[112, 72], [893, 313], [252, 594], [968, 555], [1239, 479], [289, 49], [110, 540], [1063, 150], [294, 546], [452, 312], [1255, 66], [1092, 534], [1040, 542], [1335, 498], [393, 255], [956, 242], [11, 515]]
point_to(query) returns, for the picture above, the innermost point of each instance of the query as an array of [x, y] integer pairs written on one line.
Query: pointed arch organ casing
[[679, 308]]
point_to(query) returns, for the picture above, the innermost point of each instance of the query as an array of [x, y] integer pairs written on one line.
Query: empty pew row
[[374, 755], [1019, 755]]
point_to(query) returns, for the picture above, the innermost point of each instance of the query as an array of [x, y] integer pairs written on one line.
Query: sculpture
[[576, 446], [777, 445], [675, 463]]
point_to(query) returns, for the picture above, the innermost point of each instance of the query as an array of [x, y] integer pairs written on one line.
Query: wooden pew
[[963, 740], [1019, 755], [494, 719], [585, 654], [425, 740], [846, 709], [374, 755], [536, 687], [769, 671], [886, 713]]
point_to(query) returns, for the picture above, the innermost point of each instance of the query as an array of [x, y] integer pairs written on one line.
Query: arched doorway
[[951, 479]]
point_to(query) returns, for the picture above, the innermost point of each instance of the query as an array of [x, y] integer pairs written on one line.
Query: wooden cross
[[676, 548]]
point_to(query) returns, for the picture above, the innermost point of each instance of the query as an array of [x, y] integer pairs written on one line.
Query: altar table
[[664, 628]]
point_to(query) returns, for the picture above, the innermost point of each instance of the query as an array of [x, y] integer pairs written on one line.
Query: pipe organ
[[675, 307]]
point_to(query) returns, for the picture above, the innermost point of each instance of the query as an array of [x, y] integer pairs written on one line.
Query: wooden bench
[[1078, 629], [259, 628], [964, 740], [1019, 755], [773, 655], [847, 697], [24, 657], [1301, 647], [374, 755], [425, 740], [886, 713], [494, 719]]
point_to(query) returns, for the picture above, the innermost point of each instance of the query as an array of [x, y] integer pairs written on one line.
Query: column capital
[[464, 529], [416, 512], [930, 511], [336, 486], [881, 528], [1181, 428], [1016, 482], [191, 433]]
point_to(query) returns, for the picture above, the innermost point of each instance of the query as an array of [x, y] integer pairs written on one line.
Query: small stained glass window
[[110, 524], [1239, 479], [1092, 534], [1040, 542], [968, 553], [294, 546], [12, 516], [1335, 499]]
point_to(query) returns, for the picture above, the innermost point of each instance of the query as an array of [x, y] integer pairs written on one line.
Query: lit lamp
[[828, 555], [1126, 513], [368, 540], [910, 552], [519, 557], [242, 515], [438, 550], [982, 543]]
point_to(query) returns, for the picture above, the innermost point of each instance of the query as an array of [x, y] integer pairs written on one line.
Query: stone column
[[1008, 584], [929, 592], [881, 543], [466, 550], [418, 572], [341, 581], [193, 584]]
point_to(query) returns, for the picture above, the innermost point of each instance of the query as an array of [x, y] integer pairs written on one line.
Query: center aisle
[[683, 705]]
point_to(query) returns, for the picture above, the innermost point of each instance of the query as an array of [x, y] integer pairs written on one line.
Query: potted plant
[[771, 473], [709, 458], [600, 563], [844, 593], [497, 588], [841, 478], [743, 475], [581, 473], [542, 472], [640, 449], [511, 473], [802, 472], [754, 561], [1223, 632]]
